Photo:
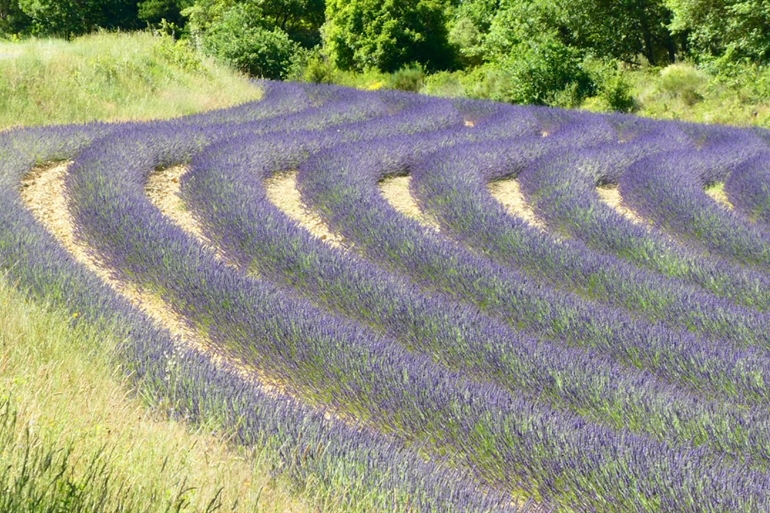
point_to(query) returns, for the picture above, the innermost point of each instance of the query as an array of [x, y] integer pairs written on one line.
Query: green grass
[[73, 438], [682, 92], [111, 77]]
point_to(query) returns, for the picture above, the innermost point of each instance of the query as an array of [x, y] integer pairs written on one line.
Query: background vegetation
[[596, 54], [112, 77]]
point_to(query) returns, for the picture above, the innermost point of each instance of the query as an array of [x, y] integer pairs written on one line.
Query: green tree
[[488, 30], [301, 20], [153, 11], [545, 71], [68, 18], [387, 35], [619, 29], [730, 29], [246, 41], [13, 21]]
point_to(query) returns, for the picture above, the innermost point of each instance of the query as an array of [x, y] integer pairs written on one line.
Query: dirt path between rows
[[610, 196], [42, 190], [508, 193], [283, 193], [718, 194], [163, 189], [395, 190]]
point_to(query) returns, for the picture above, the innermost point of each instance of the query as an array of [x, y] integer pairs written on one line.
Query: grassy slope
[[60, 397], [111, 77], [65, 398]]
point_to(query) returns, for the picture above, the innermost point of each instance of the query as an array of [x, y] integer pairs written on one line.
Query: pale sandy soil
[[718, 194], [610, 195], [508, 193], [395, 190], [163, 188], [283, 193], [43, 192]]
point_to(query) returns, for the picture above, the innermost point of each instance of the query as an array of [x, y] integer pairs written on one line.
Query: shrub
[[683, 81], [408, 78], [316, 68], [444, 83], [545, 72], [239, 40], [364, 34], [178, 53], [614, 90]]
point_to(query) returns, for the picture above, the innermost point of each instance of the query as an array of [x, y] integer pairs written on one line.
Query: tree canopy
[[532, 51], [386, 35]]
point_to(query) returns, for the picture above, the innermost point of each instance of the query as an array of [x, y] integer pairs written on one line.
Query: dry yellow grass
[[60, 381]]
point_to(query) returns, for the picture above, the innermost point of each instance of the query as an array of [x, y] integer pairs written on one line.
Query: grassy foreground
[[73, 436]]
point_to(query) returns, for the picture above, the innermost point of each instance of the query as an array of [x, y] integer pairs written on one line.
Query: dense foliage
[[248, 45], [520, 51], [388, 35]]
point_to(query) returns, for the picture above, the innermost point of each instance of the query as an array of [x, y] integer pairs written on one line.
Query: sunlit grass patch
[[110, 77], [71, 434]]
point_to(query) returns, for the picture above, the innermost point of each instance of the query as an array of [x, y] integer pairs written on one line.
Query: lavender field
[[599, 343]]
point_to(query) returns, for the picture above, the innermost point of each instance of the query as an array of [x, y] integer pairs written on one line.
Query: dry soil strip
[[395, 190], [718, 194], [610, 195], [283, 193], [163, 189], [508, 193], [42, 190]]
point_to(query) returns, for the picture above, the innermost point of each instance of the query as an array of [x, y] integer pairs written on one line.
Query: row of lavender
[[549, 367], [225, 189], [377, 471]]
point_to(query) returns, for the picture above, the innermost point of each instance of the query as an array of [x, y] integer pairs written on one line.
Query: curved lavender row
[[561, 189], [292, 107], [198, 391], [287, 99], [453, 189], [341, 185], [224, 188], [277, 99], [669, 191], [748, 188], [564, 457]]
